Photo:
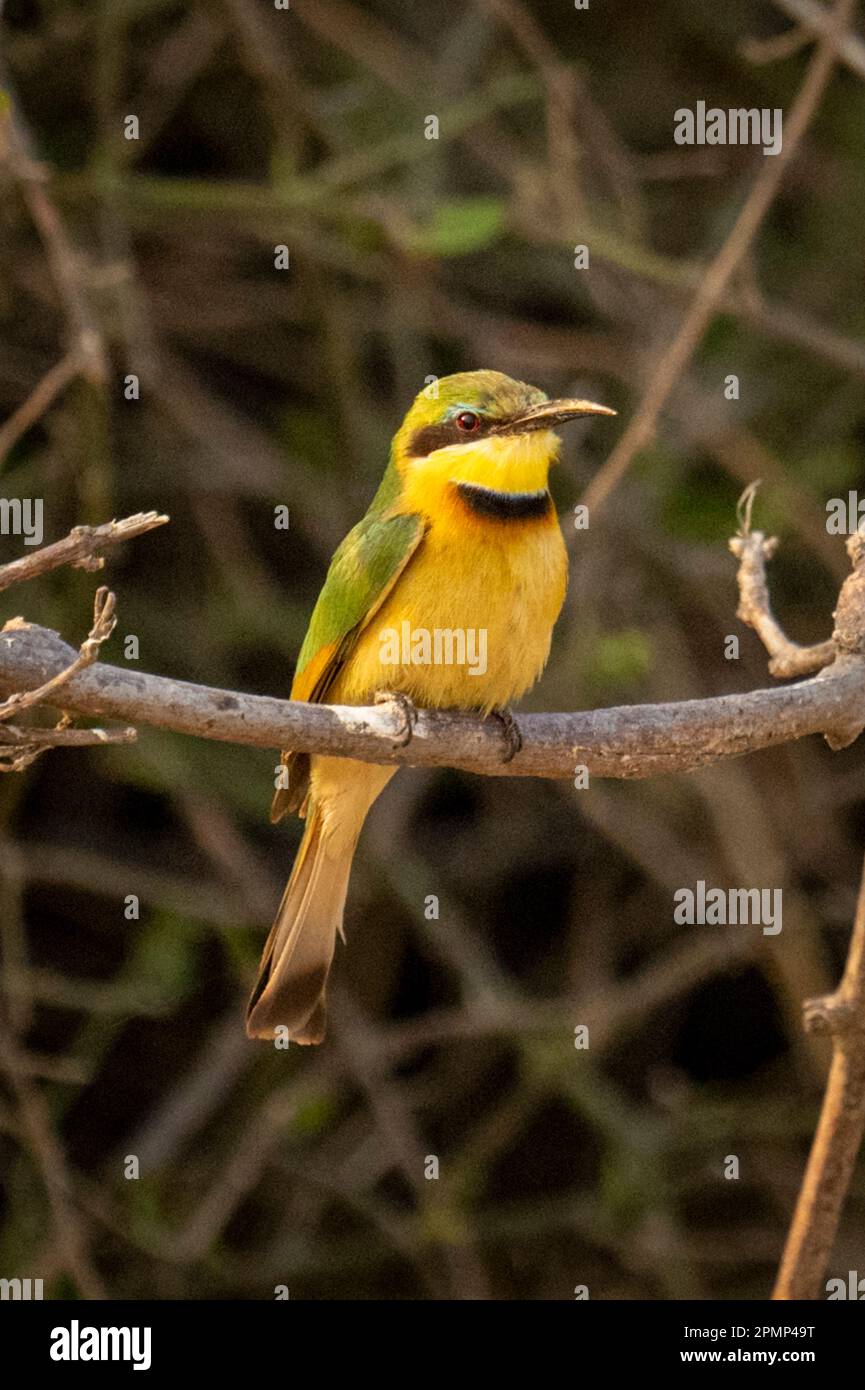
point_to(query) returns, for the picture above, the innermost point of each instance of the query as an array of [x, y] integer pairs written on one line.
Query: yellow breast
[[469, 623]]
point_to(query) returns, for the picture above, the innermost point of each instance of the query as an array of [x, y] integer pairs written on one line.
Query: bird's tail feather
[[298, 953], [290, 990]]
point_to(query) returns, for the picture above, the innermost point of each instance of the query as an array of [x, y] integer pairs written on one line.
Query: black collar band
[[505, 506]]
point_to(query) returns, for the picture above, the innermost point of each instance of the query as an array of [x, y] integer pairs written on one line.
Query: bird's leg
[[511, 731], [409, 713]]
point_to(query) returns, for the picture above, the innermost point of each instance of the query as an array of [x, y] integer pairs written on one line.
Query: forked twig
[[753, 549]]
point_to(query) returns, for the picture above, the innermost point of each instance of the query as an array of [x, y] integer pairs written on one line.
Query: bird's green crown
[[453, 409]]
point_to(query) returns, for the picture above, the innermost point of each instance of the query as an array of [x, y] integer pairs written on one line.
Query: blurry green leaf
[[701, 506], [619, 658], [831, 467], [144, 1209], [314, 1115], [458, 227], [625, 1187], [310, 434], [163, 960]]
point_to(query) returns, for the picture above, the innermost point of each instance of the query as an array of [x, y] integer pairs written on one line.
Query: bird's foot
[[511, 730], [409, 713]]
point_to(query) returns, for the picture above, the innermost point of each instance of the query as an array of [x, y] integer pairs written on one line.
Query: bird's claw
[[409, 713], [511, 730]]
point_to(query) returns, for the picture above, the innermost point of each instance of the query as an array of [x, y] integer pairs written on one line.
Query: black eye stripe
[[431, 437], [438, 436]]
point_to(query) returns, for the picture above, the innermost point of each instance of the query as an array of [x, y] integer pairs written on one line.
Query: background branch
[[732, 254]]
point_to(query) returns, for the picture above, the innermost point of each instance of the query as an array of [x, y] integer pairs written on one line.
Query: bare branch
[[788, 659], [752, 550], [839, 1132], [631, 741], [81, 548], [627, 742]]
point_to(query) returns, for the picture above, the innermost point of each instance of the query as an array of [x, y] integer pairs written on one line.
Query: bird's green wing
[[362, 573]]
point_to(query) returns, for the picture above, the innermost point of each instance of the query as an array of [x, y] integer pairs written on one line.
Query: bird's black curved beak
[[552, 413]]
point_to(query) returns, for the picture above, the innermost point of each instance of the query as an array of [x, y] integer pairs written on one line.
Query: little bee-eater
[[462, 536]]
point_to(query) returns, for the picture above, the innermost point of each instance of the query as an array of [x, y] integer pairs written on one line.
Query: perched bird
[[461, 538]]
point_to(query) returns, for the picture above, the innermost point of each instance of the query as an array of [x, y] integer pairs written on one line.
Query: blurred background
[[450, 1038]]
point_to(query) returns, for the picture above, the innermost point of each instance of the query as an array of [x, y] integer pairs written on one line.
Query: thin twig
[[40, 398], [777, 47], [81, 548], [65, 738], [817, 18], [37, 1127], [753, 549], [17, 150], [104, 620], [19, 748], [26, 745]]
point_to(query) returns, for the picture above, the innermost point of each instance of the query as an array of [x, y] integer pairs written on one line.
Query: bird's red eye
[[468, 421]]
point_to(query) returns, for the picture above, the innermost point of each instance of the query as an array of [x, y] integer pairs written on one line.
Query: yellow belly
[[491, 590]]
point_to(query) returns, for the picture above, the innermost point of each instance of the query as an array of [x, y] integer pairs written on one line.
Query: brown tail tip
[[263, 1022]]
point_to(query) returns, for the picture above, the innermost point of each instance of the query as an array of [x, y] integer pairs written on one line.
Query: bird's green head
[[475, 421]]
